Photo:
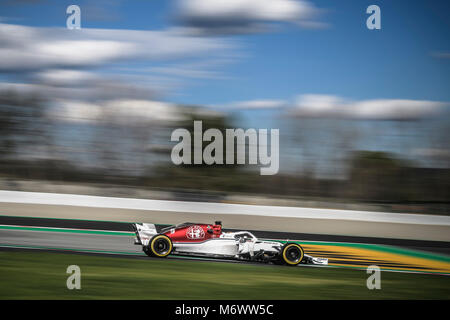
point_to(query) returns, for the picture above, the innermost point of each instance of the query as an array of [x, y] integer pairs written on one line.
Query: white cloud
[[251, 9], [55, 59], [25, 48], [329, 106], [75, 111], [257, 104], [64, 77], [100, 89], [51, 62], [120, 111], [135, 111], [243, 16]]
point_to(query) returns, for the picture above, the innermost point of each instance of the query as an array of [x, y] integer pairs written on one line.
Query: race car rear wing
[[144, 232]]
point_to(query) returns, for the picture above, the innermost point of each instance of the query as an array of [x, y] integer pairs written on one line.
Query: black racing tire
[[292, 254], [147, 251], [160, 246]]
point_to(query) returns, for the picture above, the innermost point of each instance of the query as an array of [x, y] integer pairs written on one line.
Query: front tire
[[160, 246], [292, 254]]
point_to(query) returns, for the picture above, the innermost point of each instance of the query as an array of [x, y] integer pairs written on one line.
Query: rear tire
[[292, 254], [147, 251], [160, 246]]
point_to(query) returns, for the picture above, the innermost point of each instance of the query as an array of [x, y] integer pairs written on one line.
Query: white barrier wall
[[217, 208]]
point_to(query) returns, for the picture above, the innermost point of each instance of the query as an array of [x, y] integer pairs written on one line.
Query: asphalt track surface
[[436, 232], [116, 238]]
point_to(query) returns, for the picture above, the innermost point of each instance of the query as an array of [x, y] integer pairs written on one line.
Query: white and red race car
[[208, 240]]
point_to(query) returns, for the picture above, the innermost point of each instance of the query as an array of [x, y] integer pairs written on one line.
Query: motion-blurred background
[[363, 114]]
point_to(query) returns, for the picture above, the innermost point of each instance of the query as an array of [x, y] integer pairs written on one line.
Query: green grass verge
[[28, 275]]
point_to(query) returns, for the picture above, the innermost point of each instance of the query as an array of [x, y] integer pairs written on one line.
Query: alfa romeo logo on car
[[195, 232]]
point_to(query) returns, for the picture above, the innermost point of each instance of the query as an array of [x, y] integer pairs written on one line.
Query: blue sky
[[344, 58], [261, 62]]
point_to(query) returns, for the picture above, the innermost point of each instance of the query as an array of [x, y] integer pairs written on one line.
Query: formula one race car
[[197, 239]]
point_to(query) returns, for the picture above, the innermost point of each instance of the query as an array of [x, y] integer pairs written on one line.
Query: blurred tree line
[[372, 176]]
